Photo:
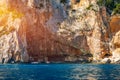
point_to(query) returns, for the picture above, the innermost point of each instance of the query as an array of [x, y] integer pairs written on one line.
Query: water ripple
[[59, 72]]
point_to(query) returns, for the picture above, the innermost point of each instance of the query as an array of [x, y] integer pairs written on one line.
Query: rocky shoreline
[[104, 61]]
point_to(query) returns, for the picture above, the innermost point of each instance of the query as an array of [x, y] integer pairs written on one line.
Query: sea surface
[[59, 72]]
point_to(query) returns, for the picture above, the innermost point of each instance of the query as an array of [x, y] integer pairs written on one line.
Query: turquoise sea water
[[59, 72]]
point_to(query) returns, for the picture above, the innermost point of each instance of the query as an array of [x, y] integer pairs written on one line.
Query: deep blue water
[[59, 72]]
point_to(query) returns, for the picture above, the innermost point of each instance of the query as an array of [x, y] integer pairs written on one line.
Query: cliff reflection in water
[[59, 72]]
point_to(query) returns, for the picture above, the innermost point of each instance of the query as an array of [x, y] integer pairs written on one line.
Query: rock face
[[85, 23], [54, 30], [26, 36], [115, 42]]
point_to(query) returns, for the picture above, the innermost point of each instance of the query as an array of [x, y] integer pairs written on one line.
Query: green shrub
[[63, 1], [117, 9], [89, 7], [100, 2], [111, 5]]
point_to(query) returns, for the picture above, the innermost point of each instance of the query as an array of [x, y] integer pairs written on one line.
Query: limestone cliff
[[57, 30]]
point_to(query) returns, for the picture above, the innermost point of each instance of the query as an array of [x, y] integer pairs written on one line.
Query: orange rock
[[115, 24]]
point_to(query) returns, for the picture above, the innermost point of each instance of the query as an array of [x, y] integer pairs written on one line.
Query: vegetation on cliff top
[[112, 6]]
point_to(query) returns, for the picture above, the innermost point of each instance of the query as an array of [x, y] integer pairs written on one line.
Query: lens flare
[[7, 14]]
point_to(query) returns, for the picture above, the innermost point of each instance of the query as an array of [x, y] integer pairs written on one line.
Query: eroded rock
[[50, 30]]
